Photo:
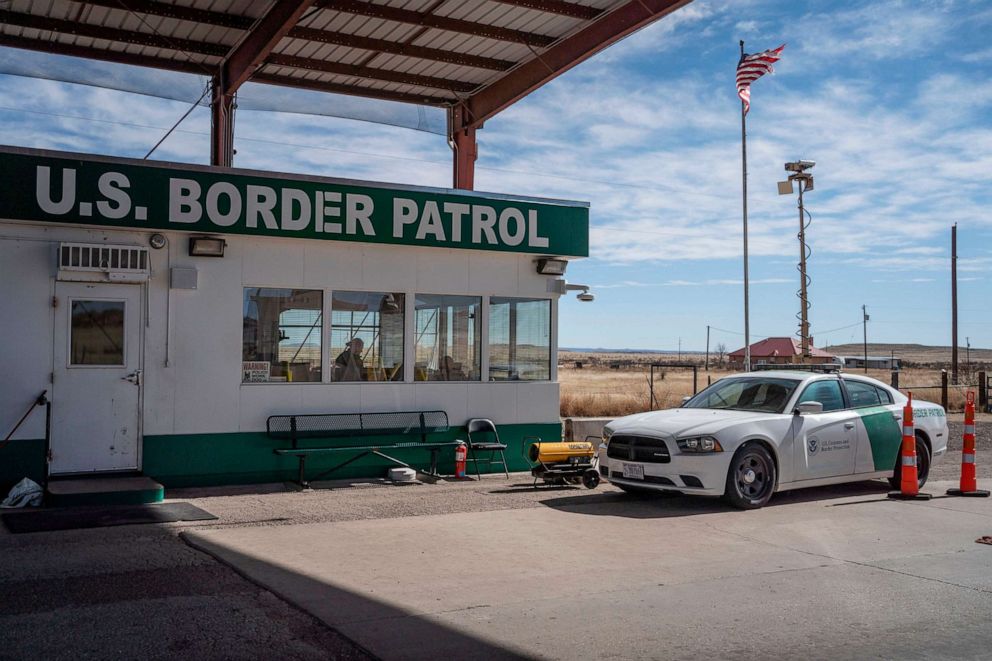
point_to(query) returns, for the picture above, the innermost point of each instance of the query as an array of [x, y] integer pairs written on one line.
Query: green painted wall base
[[20, 459], [123, 497], [187, 460]]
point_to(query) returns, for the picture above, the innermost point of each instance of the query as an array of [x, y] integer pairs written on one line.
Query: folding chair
[[481, 426]]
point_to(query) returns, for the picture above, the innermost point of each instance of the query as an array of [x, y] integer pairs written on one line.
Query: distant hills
[[915, 353]]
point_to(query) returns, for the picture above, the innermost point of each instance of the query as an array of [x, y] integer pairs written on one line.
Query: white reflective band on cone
[[969, 429], [907, 431], [909, 461], [967, 459]]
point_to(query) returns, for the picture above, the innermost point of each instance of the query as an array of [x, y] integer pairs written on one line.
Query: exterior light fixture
[[157, 241], [551, 266], [583, 294], [206, 246]]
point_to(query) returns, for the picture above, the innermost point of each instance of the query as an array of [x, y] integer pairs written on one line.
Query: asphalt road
[[141, 592]]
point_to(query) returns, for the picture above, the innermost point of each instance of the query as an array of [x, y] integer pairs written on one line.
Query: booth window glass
[[96, 333], [281, 339], [449, 338], [367, 336], [519, 339]]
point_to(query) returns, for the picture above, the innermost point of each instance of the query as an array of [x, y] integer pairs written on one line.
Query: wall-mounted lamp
[[157, 241], [583, 294], [551, 266], [206, 246]]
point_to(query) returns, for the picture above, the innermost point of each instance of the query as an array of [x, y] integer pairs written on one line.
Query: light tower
[[799, 170]]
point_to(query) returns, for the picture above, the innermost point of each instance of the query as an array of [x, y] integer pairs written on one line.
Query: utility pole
[[954, 303], [864, 312], [967, 342], [680, 349], [707, 348]]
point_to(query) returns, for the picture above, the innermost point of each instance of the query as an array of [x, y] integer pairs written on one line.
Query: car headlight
[[699, 444]]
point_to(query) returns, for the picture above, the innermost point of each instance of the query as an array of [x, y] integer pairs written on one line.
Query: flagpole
[[747, 324]]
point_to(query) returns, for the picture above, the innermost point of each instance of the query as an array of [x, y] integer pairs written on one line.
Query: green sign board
[[63, 188]]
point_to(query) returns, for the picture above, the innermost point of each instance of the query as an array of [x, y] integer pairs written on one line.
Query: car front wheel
[[751, 478]]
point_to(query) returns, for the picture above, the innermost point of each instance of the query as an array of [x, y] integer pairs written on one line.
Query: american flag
[[753, 67]]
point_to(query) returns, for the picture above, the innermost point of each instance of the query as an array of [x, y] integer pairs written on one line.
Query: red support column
[[465, 149], [221, 125]]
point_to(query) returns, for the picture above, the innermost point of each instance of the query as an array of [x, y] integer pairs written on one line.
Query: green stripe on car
[[884, 435]]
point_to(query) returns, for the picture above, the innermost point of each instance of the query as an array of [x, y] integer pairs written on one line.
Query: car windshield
[[745, 394]]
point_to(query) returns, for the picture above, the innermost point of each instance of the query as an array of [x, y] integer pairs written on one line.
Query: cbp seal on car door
[[814, 445]]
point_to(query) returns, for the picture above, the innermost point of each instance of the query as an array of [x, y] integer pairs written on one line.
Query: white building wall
[[192, 356]]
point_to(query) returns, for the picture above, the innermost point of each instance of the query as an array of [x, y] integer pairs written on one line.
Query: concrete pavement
[[836, 573]]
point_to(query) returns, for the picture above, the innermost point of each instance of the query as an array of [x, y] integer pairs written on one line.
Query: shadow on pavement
[[379, 628], [671, 504]]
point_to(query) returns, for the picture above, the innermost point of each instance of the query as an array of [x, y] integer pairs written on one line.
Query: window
[[745, 394], [519, 339], [448, 338], [826, 392], [862, 394], [367, 336], [281, 337], [96, 333]]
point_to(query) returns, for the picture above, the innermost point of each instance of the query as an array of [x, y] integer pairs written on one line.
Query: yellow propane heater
[[562, 463]]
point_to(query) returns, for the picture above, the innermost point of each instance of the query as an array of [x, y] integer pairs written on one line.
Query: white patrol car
[[750, 435]]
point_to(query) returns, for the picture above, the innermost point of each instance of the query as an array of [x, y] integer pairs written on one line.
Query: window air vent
[[102, 262]]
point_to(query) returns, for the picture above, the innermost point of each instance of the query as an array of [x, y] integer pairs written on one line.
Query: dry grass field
[[616, 384]]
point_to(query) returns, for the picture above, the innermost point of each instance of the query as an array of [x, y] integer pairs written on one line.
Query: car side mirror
[[685, 399], [809, 407]]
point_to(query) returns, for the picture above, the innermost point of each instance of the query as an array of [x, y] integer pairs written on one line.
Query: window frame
[[482, 321], [878, 391], [88, 366], [840, 385], [552, 339], [408, 328], [323, 331]]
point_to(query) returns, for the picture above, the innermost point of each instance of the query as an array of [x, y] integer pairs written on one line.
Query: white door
[[97, 377], [825, 443]]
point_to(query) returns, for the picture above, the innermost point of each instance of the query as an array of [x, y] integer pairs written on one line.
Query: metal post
[[707, 348], [695, 380], [803, 293], [895, 378], [747, 324], [954, 304], [864, 322], [943, 388], [651, 386], [983, 391]]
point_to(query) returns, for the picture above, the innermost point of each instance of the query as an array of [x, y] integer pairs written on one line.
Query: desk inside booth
[[359, 435]]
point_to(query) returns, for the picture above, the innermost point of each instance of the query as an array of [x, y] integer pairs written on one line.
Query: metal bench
[[395, 425]]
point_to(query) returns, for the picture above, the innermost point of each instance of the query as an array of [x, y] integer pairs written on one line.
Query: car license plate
[[633, 471]]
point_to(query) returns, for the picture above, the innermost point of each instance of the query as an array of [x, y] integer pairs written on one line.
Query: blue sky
[[891, 99]]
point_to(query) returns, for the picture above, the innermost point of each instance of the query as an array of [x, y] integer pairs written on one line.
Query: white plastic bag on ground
[[26, 493]]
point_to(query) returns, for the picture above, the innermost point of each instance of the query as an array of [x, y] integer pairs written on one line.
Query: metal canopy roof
[[475, 57]]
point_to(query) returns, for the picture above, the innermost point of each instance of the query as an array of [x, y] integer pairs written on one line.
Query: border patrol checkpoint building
[[169, 309]]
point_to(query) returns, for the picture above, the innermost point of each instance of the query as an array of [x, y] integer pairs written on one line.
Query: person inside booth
[[349, 365]]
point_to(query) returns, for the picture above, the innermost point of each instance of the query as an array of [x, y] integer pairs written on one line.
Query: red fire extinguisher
[[461, 458]]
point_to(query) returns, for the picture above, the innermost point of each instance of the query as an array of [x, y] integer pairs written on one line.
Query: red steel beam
[[434, 21], [465, 149], [251, 51], [372, 73], [565, 54], [120, 57], [354, 90], [153, 8], [111, 34], [397, 48], [559, 7]]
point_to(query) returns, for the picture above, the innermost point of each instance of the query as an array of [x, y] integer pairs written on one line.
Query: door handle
[[134, 377], [848, 425]]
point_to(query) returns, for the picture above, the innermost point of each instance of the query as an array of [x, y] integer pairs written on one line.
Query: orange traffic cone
[[909, 482], [969, 482]]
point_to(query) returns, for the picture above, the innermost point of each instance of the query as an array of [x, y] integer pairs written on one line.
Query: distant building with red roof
[[780, 351]]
